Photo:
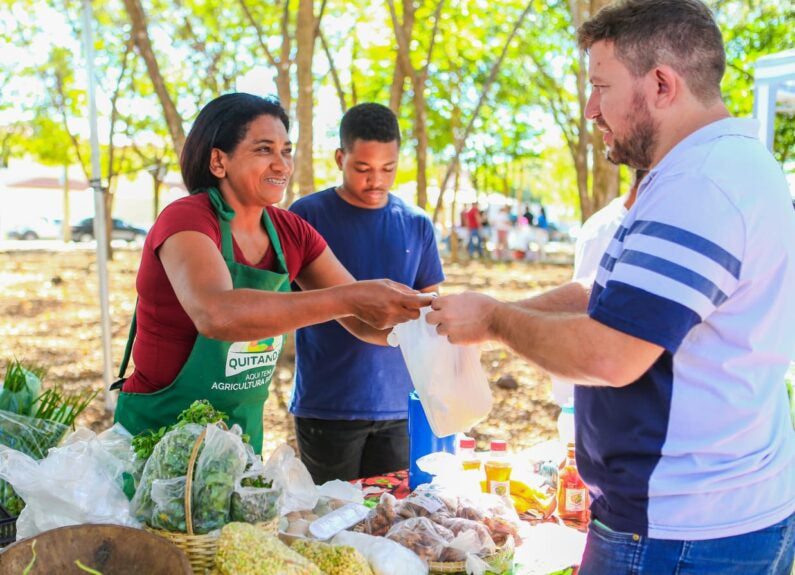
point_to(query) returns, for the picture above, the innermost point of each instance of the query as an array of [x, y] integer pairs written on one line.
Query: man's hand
[[464, 318], [385, 303]]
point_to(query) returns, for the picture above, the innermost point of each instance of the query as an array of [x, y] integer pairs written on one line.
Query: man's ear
[[338, 157], [668, 86], [217, 163]]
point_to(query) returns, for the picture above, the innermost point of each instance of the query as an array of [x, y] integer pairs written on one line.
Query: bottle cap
[[466, 443], [499, 445]]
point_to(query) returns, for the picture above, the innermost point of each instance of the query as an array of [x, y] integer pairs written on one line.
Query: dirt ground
[[49, 315]]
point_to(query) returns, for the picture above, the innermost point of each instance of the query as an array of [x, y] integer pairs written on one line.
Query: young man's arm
[[569, 345], [327, 271], [568, 298]]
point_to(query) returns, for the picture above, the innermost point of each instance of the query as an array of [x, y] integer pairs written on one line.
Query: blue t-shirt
[[337, 375]]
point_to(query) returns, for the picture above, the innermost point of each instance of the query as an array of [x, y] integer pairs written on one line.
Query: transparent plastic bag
[[30, 435], [333, 559], [478, 540], [449, 379], [218, 469], [79, 482], [255, 499], [289, 474], [385, 556], [424, 537], [20, 401], [169, 460], [168, 504], [382, 517]]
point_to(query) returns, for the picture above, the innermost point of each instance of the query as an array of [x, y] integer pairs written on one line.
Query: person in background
[[502, 225], [592, 241], [680, 349], [473, 224], [351, 398], [528, 215], [213, 286]]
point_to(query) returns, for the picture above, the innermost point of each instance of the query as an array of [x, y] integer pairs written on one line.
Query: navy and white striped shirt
[[701, 446]]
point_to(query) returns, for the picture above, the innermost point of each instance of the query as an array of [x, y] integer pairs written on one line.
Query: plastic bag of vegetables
[[218, 469], [169, 460], [168, 504], [245, 549], [21, 386], [78, 482], [256, 498], [333, 559], [30, 435]]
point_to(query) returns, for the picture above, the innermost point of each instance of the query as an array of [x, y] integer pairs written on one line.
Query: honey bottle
[[466, 453], [573, 497], [498, 469]]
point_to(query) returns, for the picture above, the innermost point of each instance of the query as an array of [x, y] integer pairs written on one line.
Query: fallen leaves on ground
[[50, 315]]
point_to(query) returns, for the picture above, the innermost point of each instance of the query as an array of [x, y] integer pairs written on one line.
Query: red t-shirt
[[473, 219], [165, 334]]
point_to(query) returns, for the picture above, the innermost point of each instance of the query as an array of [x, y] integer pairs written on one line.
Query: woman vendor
[[214, 282]]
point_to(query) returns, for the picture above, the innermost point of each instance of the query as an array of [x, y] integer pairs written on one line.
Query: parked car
[[84, 231], [39, 229]]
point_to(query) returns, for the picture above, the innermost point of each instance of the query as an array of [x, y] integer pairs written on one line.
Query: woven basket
[[200, 549]]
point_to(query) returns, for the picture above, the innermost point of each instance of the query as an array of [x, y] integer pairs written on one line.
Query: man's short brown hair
[[647, 33]]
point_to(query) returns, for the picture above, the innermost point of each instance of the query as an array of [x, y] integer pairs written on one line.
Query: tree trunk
[[605, 178], [305, 38], [108, 196], [66, 229], [396, 89], [399, 76], [144, 45], [454, 217], [283, 85], [421, 133], [156, 186]]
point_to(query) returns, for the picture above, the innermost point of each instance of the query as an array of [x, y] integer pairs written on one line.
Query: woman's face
[[256, 172]]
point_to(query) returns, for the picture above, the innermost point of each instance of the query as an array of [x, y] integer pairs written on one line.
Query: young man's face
[[619, 107], [368, 172]]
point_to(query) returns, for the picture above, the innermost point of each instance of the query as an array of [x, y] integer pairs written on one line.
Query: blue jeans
[[769, 551], [475, 243]]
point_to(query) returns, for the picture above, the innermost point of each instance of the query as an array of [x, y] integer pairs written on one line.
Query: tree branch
[[334, 75], [258, 31], [436, 18], [495, 68]]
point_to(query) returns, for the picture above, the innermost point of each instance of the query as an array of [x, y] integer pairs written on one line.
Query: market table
[[547, 547]]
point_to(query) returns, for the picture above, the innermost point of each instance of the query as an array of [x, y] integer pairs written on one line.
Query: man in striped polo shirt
[[680, 348]]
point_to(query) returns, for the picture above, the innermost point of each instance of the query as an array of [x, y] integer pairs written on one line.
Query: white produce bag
[[78, 482], [384, 555], [449, 379]]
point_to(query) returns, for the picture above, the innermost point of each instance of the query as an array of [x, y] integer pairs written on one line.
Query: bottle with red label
[[573, 497], [467, 455]]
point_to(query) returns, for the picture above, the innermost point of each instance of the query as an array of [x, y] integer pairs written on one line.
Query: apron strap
[[224, 214], [275, 242], [127, 351]]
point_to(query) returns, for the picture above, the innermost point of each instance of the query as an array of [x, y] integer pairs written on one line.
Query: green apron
[[234, 377]]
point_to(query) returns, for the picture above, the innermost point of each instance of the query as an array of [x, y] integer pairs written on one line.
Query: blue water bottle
[[422, 441]]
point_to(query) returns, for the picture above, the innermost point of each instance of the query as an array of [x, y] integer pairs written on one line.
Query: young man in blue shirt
[[351, 398]]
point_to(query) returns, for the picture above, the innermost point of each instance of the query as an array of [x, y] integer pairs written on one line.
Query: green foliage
[[751, 30], [204, 47]]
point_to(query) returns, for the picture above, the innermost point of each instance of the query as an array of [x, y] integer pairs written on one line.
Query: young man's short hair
[[679, 33], [369, 122]]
